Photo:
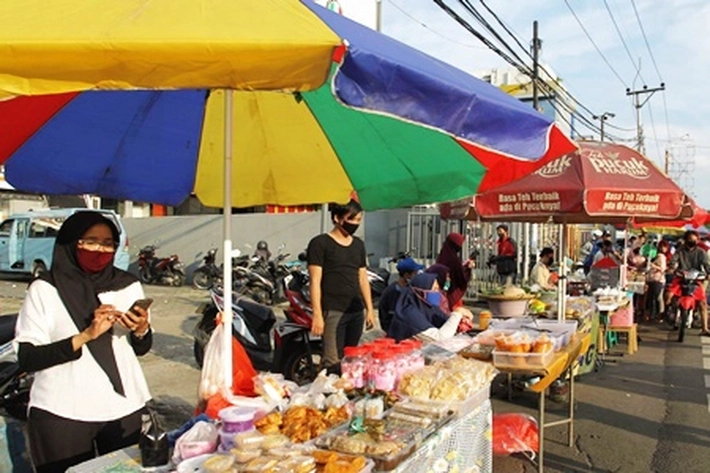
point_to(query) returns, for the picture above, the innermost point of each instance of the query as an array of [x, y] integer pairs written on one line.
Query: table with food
[[395, 407]]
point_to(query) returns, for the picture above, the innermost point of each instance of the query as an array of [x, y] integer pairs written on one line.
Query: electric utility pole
[[602, 119], [638, 104], [536, 44]]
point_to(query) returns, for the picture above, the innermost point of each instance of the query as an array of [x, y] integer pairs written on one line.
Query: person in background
[[687, 258], [607, 251], [590, 248], [337, 264], [507, 256], [407, 269], [418, 312], [459, 271], [80, 335], [540, 273], [655, 281]]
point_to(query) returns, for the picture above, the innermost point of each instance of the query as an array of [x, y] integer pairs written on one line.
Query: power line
[[568, 95], [581, 25], [645, 39], [623, 41], [431, 30]]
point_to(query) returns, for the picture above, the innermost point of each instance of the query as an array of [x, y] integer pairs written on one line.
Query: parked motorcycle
[[209, 273], [684, 304], [14, 384], [274, 270], [291, 351], [167, 271]]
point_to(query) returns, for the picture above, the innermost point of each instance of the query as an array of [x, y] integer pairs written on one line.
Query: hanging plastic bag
[[200, 439], [514, 433], [212, 378], [153, 441]]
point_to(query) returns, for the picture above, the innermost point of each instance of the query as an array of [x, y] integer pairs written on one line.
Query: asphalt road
[[646, 412]]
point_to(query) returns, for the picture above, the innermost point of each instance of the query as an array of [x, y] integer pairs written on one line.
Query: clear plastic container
[[416, 357], [383, 371], [354, 365], [403, 361], [237, 419]]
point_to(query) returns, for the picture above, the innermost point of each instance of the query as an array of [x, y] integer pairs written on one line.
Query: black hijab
[[449, 256], [79, 290]]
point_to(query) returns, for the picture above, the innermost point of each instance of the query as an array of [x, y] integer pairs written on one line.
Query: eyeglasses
[[95, 245]]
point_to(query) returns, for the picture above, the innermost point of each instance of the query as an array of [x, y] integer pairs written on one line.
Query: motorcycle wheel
[[684, 313], [178, 278], [297, 368], [201, 279], [144, 275]]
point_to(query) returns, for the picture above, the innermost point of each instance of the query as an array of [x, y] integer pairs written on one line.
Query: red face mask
[[93, 261]]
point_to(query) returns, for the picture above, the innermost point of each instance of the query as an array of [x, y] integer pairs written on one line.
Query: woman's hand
[[465, 313], [318, 324], [105, 316], [136, 320]]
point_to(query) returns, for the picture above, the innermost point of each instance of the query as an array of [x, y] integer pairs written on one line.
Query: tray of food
[[521, 351], [387, 448]]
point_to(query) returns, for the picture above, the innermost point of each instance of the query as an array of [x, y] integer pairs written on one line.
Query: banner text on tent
[[529, 202], [631, 202]]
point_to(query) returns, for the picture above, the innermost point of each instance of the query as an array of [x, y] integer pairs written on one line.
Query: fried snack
[[419, 383], [336, 415], [323, 456], [342, 465], [269, 424]]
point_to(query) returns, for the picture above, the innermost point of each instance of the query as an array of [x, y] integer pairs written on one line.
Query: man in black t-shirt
[[337, 264]]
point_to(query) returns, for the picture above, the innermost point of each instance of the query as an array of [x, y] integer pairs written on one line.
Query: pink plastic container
[[354, 365]]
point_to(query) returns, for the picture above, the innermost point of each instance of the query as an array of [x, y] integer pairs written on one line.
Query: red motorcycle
[[687, 290], [154, 270]]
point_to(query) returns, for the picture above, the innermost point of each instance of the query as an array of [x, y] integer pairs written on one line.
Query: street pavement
[[646, 412]]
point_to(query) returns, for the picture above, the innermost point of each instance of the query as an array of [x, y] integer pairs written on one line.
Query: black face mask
[[691, 244], [350, 228]]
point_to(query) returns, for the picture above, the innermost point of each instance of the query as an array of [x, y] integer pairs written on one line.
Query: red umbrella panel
[[691, 215], [601, 182]]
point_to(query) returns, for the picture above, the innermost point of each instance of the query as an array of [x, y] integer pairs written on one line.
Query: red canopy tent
[[691, 215], [601, 182]]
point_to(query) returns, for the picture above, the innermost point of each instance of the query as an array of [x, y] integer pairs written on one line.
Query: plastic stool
[[612, 339], [631, 336]]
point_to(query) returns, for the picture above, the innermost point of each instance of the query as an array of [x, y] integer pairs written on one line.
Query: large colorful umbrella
[[395, 125]]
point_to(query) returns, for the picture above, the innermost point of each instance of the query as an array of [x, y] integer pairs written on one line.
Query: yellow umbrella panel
[[71, 45]]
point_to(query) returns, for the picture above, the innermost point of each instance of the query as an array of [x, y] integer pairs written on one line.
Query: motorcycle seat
[[7, 328]]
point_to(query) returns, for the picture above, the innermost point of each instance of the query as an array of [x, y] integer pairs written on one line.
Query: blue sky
[[677, 33]]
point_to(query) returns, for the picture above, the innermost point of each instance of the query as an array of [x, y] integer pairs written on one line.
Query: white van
[[27, 240]]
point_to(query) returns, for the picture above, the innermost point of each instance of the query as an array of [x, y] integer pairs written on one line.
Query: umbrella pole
[[562, 280], [227, 240]]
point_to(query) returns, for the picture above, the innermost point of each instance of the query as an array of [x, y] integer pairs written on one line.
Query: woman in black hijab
[[459, 272], [76, 333]]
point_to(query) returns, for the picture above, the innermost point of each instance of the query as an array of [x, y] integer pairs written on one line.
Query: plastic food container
[[237, 419], [251, 440], [383, 371], [509, 359], [354, 365], [244, 456]]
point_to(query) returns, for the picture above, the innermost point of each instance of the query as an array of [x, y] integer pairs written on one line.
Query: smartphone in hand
[[142, 303]]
